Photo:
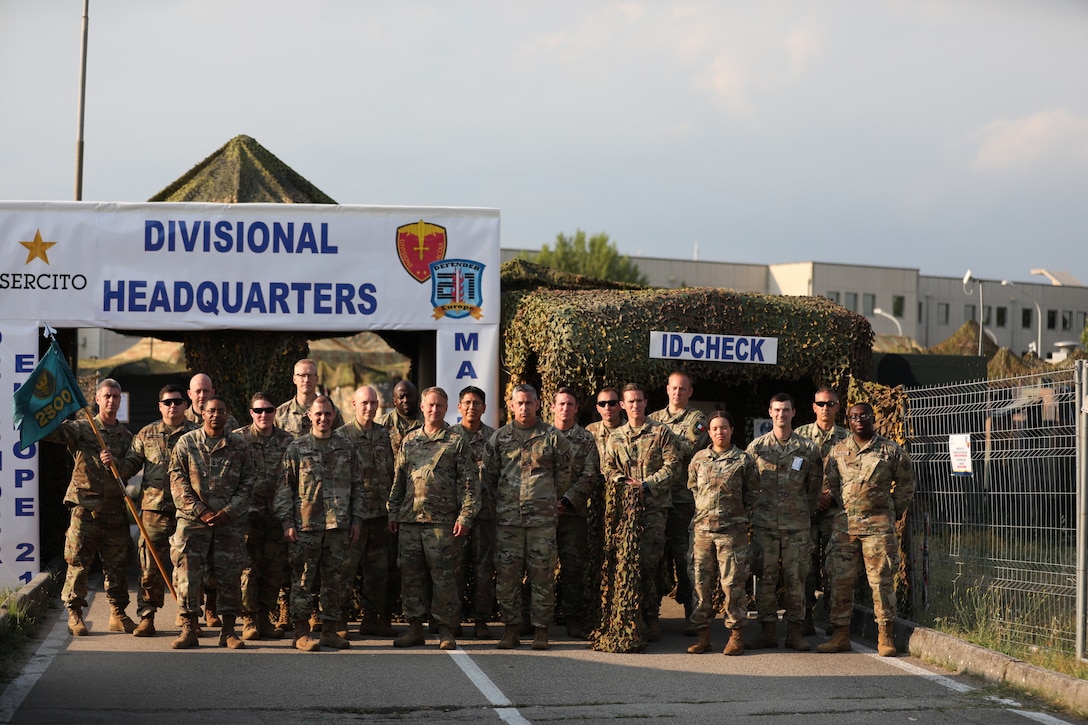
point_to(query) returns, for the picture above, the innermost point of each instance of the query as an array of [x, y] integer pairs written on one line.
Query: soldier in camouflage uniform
[[266, 569], [790, 480], [724, 480], [150, 451], [825, 434], [608, 407], [405, 416], [689, 427], [435, 495], [211, 479], [872, 479], [480, 545], [527, 464], [572, 532], [200, 389], [98, 522], [370, 557], [294, 415], [319, 501], [645, 454]]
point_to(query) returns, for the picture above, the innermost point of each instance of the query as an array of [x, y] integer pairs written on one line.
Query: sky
[[939, 136]]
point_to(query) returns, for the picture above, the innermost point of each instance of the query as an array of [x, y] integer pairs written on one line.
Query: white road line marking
[[502, 704]]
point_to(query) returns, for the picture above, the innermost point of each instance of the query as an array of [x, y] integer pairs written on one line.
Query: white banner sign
[[249, 266], [20, 553], [714, 348]]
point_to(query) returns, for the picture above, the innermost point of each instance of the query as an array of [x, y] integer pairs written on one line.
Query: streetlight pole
[[882, 313], [1038, 317], [968, 279]]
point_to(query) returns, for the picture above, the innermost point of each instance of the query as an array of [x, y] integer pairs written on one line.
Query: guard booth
[[431, 273]]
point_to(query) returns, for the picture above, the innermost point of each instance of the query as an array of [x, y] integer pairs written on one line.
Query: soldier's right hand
[[106, 456]]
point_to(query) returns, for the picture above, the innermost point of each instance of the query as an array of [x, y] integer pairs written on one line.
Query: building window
[[942, 313], [1002, 316], [868, 302], [850, 301], [1067, 320], [921, 313], [986, 315], [1052, 319], [969, 313], [1025, 318], [899, 305], [1082, 320], [833, 296]]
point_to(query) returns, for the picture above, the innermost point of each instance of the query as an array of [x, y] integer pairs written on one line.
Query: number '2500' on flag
[[48, 396]]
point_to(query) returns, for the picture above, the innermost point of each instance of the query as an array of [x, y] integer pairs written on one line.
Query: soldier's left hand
[[356, 532], [460, 529]]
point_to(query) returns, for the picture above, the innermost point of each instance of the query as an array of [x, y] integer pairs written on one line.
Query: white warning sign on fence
[[959, 447]]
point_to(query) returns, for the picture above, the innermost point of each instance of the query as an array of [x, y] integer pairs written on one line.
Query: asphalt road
[[116, 678]]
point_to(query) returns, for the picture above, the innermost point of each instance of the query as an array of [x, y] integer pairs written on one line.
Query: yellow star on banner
[[37, 249]]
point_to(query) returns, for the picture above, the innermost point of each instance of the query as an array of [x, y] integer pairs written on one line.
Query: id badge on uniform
[[797, 463]]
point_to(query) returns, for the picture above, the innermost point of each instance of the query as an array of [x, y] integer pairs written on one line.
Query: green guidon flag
[[48, 396]]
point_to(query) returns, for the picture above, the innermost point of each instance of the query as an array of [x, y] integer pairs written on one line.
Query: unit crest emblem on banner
[[419, 245], [455, 288]]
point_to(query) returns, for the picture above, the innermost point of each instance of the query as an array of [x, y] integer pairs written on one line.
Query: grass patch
[[18, 629]]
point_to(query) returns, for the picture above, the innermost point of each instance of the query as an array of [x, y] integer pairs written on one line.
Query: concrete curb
[[963, 657], [33, 593]]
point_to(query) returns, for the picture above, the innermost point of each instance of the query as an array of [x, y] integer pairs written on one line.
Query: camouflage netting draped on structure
[[562, 329]]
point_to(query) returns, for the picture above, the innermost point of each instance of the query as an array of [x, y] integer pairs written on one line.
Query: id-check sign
[[709, 347]]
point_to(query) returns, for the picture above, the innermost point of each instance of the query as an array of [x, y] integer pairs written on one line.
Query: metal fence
[[996, 549]]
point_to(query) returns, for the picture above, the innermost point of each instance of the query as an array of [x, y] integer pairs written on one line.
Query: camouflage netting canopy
[[585, 337]]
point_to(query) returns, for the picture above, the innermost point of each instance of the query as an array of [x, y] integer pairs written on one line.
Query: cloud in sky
[[1056, 136]]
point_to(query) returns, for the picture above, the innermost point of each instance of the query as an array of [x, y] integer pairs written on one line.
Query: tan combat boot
[[211, 603], [413, 637], [249, 628], [481, 630], [446, 639], [188, 637], [385, 626], [265, 628], [368, 623], [885, 642], [146, 627], [768, 637], [76, 627], [341, 628], [540, 639], [331, 638], [120, 621], [510, 638], [575, 630], [839, 642], [794, 640], [653, 629], [283, 622], [735, 646], [227, 636], [303, 641], [702, 641]]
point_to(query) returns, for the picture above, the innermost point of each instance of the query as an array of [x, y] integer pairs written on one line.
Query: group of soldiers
[[296, 519]]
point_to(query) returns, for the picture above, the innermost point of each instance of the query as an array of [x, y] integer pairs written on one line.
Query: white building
[[928, 309]]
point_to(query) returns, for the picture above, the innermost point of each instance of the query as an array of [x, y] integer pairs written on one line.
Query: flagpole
[[82, 96], [131, 508]]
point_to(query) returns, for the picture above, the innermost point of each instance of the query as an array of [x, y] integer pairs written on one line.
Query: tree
[[596, 256]]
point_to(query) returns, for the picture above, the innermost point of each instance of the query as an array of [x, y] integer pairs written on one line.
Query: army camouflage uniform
[[873, 483], [208, 474], [689, 427], [650, 454], [437, 484], [150, 451], [724, 487], [527, 468], [479, 553], [572, 532], [320, 495], [819, 577], [399, 426], [601, 433], [266, 570], [98, 521], [790, 481], [292, 417], [375, 454]]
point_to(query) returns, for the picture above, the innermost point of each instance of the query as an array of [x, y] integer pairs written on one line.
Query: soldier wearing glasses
[[608, 407], [266, 570], [871, 478], [150, 451], [825, 434], [293, 416]]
